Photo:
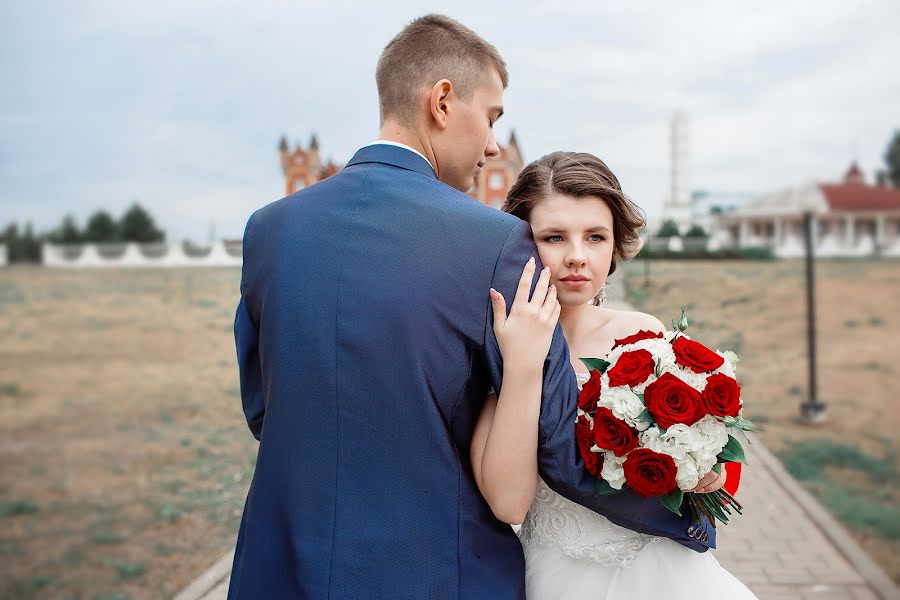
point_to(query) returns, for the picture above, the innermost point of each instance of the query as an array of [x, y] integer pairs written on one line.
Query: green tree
[[138, 226], [696, 231], [68, 232], [668, 229], [101, 227], [27, 247], [11, 240], [892, 159]]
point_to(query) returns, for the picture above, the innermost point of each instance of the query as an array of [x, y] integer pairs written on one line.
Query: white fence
[[791, 246], [132, 255]]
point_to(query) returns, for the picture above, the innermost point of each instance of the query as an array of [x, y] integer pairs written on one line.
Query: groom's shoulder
[[476, 213]]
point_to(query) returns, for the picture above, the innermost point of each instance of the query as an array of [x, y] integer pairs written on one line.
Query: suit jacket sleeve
[[246, 339], [559, 461]]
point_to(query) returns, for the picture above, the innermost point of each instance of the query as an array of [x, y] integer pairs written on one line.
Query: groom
[[366, 349]]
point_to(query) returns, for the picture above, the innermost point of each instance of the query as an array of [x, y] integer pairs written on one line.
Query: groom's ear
[[438, 101]]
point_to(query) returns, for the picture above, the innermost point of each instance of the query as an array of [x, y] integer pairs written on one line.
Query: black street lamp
[[811, 409]]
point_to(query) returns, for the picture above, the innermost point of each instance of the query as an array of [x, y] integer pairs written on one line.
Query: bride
[[582, 225]]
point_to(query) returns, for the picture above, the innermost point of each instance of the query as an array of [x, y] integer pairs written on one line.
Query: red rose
[[721, 396], [670, 401], [632, 368], [650, 473], [593, 461], [590, 392], [640, 335], [611, 433], [695, 356]]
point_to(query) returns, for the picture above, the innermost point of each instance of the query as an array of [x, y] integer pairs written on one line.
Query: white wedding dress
[[573, 553]]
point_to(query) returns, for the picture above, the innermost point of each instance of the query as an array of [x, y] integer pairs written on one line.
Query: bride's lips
[[575, 282]]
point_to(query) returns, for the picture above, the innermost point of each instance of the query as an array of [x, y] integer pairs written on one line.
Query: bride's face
[[574, 237]]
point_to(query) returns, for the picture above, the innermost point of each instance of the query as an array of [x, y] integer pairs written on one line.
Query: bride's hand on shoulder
[[525, 335]]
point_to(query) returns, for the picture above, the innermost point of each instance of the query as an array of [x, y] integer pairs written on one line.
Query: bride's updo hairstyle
[[579, 175]]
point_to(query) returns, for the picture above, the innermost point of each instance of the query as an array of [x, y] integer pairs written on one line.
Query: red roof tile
[[855, 196]]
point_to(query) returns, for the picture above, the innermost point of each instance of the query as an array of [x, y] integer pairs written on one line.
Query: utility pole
[[812, 411]]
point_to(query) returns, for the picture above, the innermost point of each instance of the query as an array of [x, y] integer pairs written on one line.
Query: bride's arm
[[504, 444]]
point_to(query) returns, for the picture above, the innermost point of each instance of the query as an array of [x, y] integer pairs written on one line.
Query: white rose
[[713, 434], [613, 472], [625, 405], [688, 475], [695, 380], [684, 436], [653, 440], [705, 461]]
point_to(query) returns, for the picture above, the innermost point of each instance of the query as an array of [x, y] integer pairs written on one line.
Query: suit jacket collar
[[394, 156]]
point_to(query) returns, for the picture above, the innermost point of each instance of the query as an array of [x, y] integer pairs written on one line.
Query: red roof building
[[852, 218]]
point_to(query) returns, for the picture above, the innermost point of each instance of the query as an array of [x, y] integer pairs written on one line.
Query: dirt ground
[[125, 455], [126, 460], [758, 309]]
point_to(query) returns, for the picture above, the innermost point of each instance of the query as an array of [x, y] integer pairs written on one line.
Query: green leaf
[[596, 364], [742, 424], [604, 489], [717, 468], [672, 501], [646, 416], [732, 452]]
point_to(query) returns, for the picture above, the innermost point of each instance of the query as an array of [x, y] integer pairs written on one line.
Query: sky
[[180, 105]]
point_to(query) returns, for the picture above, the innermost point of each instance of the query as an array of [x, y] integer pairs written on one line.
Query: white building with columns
[[851, 218]]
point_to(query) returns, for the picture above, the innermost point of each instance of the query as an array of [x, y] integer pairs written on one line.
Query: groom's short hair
[[429, 49]]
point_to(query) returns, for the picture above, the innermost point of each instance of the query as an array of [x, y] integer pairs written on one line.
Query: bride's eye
[[553, 239], [597, 238]]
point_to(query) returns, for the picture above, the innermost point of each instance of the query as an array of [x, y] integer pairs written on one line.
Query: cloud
[[181, 105]]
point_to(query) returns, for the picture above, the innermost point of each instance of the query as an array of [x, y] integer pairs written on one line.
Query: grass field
[[126, 459], [758, 309], [125, 456]]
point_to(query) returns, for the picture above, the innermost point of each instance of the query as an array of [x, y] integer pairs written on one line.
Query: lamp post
[[811, 410]]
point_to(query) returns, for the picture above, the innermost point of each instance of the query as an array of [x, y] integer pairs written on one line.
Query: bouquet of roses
[[657, 415]]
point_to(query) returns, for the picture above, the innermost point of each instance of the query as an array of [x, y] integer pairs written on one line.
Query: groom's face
[[468, 140]]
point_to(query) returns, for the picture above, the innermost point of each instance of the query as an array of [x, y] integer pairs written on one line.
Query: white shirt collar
[[399, 145]]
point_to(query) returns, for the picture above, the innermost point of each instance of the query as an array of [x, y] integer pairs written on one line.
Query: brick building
[[304, 166]]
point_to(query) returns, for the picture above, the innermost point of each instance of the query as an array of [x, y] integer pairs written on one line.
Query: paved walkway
[[784, 547]]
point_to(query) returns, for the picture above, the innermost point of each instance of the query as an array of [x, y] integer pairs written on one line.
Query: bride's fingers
[[554, 318], [498, 304], [540, 290], [709, 479], [524, 283], [549, 302]]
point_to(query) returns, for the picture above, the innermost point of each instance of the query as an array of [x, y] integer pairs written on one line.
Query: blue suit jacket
[[365, 344]]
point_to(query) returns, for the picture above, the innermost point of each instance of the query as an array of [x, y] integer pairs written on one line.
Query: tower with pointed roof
[[493, 183], [301, 166]]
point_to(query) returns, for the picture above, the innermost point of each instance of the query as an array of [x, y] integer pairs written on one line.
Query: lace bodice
[[555, 521]]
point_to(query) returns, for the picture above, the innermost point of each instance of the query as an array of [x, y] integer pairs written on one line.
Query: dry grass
[[125, 458], [758, 309]]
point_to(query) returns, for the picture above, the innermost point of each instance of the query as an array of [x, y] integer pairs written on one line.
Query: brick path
[[781, 551], [777, 548], [784, 547]]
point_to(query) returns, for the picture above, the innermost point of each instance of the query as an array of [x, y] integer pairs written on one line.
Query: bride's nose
[[575, 257]]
